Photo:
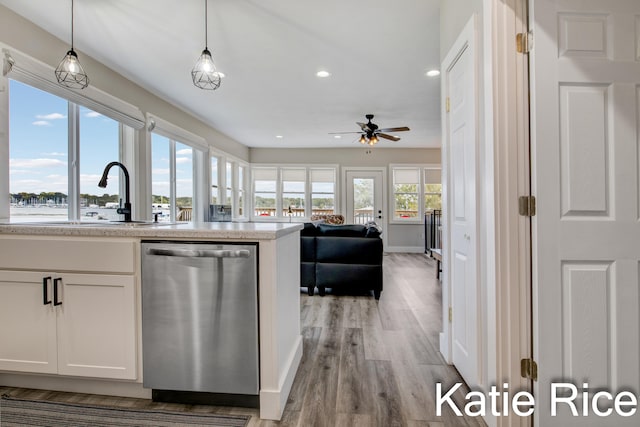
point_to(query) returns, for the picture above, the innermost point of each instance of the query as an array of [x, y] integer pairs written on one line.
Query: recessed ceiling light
[[433, 73], [323, 73], [279, 136], [337, 136]]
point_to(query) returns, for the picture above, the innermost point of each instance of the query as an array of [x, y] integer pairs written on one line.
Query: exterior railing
[[295, 212]]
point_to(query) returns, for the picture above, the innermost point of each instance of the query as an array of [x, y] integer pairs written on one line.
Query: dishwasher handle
[[205, 253]]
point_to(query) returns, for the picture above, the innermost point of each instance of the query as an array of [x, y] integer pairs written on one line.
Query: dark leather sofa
[[340, 257]]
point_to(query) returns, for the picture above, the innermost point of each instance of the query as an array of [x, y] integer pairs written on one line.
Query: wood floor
[[365, 362]]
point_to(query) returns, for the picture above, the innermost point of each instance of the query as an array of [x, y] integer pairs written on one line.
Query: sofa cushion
[[348, 250], [352, 230], [309, 230]]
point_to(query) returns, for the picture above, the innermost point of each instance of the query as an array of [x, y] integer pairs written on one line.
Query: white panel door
[[27, 322], [462, 213], [585, 69], [97, 326]]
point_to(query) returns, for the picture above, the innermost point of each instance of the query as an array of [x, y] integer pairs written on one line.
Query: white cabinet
[[68, 323], [90, 333]]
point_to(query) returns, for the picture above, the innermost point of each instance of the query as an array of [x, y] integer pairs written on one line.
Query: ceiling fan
[[370, 132]]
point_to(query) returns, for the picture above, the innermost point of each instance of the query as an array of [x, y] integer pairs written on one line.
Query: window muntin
[[406, 194], [265, 186]]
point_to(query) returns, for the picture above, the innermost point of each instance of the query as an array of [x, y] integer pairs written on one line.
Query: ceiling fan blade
[[363, 126], [398, 129], [390, 137]]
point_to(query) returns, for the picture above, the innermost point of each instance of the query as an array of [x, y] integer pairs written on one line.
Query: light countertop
[[189, 230]]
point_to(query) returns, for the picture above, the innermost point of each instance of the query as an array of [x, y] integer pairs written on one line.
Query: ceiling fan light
[[374, 139], [362, 139], [70, 73], [204, 73]]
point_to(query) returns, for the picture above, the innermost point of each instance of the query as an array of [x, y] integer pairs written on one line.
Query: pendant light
[[69, 72], [204, 73]]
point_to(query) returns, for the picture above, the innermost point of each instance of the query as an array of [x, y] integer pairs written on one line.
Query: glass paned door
[[364, 197]]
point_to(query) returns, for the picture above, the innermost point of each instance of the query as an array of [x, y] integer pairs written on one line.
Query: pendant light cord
[[206, 30], [71, 24]]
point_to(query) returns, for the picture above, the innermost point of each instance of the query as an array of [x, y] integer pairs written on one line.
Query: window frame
[[126, 140], [280, 210], [200, 161]]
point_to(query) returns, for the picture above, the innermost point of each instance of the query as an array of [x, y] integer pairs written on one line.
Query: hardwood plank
[[353, 384]]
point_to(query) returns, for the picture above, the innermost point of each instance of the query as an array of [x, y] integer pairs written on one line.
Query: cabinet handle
[[56, 301], [45, 290]]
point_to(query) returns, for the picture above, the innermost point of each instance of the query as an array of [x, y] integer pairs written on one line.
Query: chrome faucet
[[126, 211]]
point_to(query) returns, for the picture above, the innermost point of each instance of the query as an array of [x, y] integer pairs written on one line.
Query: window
[[406, 194], [264, 191], [241, 190], [99, 144], [215, 192], [53, 174], [306, 190], [323, 198], [229, 185], [417, 190], [293, 192], [171, 179], [432, 189]]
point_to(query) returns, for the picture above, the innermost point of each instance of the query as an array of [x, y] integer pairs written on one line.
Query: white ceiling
[[377, 52]]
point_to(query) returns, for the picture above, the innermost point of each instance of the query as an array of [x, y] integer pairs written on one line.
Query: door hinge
[[524, 42], [527, 205], [447, 104], [529, 369], [450, 314]]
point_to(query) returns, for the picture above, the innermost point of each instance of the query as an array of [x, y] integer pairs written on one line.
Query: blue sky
[[38, 150]]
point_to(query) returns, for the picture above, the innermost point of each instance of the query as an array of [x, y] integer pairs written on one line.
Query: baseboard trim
[[272, 402], [76, 385]]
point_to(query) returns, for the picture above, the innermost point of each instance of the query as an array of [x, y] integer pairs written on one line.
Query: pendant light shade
[[204, 73], [69, 72]]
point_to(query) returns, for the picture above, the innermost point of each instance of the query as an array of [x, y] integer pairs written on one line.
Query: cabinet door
[[27, 325], [96, 326]]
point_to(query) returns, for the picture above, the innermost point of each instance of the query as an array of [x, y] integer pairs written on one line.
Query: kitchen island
[[70, 304]]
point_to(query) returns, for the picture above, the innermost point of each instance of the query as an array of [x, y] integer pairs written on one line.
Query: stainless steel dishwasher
[[200, 322]]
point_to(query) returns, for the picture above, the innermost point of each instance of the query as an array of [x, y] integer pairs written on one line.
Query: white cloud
[[52, 116], [159, 171], [92, 114], [41, 123], [182, 160], [185, 152], [35, 163], [54, 154]]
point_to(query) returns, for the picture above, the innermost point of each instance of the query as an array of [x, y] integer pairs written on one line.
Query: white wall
[[26, 37], [454, 14], [399, 237]]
